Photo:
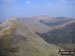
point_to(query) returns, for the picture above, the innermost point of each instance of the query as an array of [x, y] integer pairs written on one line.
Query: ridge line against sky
[[22, 8]]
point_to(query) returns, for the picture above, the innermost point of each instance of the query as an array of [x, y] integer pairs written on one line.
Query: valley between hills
[[36, 36]]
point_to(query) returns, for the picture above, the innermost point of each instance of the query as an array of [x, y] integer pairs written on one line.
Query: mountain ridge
[[47, 24]]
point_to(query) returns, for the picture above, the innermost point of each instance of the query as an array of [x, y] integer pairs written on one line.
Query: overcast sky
[[22, 8]]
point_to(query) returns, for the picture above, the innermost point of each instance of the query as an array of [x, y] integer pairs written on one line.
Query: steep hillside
[[16, 39], [64, 36]]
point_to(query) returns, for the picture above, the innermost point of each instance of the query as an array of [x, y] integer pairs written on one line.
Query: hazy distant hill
[[16, 39], [65, 36], [42, 24], [57, 21], [0, 22]]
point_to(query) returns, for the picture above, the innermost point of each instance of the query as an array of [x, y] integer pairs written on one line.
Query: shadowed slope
[[63, 36], [17, 39]]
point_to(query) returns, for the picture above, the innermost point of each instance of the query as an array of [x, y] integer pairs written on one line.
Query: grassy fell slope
[[17, 39]]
